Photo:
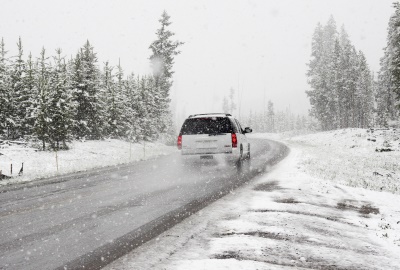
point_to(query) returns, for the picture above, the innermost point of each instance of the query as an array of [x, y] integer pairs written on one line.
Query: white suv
[[213, 136]]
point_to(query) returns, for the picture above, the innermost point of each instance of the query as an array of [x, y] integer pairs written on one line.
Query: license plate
[[206, 157], [206, 145]]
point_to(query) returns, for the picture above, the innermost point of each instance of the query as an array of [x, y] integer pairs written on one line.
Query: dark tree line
[[272, 121], [54, 99], [342, 87], [388, 83], [344, 92]]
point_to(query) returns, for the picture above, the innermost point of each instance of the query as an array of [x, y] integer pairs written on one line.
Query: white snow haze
[[99, 169], [258, 48]]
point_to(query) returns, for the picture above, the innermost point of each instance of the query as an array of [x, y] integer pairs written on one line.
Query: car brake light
[[179, 143], [234, 140]]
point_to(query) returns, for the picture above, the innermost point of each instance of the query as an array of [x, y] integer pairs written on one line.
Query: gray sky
[[258, 47]]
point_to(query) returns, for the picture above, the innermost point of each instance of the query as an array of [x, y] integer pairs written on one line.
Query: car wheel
[[240, 160]]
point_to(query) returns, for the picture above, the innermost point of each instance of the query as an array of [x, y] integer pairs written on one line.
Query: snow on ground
[[293, 217], [355, 157], [83, 155]]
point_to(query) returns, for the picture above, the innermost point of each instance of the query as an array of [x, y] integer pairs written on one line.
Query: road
[[90, 219]]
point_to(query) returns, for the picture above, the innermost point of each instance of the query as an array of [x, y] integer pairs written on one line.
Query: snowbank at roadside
[[354, 157], [80, 157], [293, 217]]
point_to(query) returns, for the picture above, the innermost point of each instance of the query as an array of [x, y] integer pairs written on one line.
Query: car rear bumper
[[211, 157]]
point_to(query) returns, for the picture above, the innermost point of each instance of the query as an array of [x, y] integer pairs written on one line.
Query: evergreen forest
[[53, 99], [345, 93]]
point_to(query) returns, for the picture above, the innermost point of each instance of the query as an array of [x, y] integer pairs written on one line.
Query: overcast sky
[[257, 47]]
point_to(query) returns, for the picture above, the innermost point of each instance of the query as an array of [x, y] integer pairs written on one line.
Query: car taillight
[[234, 140], [179, 143]]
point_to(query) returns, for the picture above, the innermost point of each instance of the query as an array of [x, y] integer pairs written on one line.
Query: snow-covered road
[[286, 219], [92, 218]]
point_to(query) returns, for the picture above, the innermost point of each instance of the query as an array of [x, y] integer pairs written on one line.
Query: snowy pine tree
[[144, 110], [60, 104], [364, 95], [317, 78], [394, 48], [341, 92], [108, 86], [5, 85], [54, 103], [22, 95], [10, 81], [132, 97], [41, 113], [232, 104], [31, 94], [388, 85], [118, 109], [270, 117], [122, 103], [225, 105], [162, 59], [89, 114]]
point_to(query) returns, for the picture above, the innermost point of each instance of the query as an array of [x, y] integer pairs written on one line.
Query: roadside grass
[[353, 157]]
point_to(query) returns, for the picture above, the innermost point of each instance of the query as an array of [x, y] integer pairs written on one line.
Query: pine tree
[[232, 104], [108, 86], [8, 86], [364, 95], [132, 98], [89, 115], [60, 104], [42, 117], [155, 121], [348, 63], [271, 117], [123, 103], [330, 103], [225, 105], [118, 110], [385, 101], [388, 85], [250, 120], [162, 59], [16, 115], [144, 103], [5, 85], [31, 94], [339, 75], [22, 95], [394, 45], [318, 77], [341, 87]]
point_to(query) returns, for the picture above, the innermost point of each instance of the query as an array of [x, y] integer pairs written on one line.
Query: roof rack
[[193, 115]]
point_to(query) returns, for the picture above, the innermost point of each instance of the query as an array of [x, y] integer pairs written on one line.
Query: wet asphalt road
[[87, 220]]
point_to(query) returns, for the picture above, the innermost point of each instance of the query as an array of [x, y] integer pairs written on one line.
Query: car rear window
[[208, 125]]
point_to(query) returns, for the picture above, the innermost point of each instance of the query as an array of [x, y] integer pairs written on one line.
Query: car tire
[[239, 162]]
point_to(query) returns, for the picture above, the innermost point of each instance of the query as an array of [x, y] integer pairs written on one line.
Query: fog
[[258, 48], [92, 169]]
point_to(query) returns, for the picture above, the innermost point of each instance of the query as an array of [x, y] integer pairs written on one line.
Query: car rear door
[[242, 136], [208, 135]]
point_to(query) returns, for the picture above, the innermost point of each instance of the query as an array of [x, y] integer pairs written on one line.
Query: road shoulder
[[285, 218]]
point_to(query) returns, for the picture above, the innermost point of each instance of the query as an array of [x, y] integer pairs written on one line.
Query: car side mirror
[[248, 130]]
